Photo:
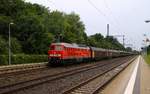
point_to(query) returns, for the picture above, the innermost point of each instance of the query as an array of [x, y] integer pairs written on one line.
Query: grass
[[147, 58]]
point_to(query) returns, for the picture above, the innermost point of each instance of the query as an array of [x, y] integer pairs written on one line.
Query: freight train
[[63, 53]]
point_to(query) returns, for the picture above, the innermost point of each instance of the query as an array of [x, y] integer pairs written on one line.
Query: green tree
[[32, 35], [129, 49], [4, 26], [115, 43], [97, 40], [36, 27], [11, 8], [15, 46], [76, 27], [3, 46]]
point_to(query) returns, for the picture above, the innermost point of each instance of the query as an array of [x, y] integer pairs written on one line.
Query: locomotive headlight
[[51, 55], [58, 54], [55, 55]]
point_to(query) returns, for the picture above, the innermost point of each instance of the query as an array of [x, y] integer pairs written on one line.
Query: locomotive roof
[[86, 47], [71, 45]]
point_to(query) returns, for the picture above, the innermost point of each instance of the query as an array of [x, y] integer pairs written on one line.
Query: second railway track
[[20, 68], [92, 85], [54, 79]]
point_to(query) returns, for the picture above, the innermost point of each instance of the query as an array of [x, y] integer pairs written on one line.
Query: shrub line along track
[[20, 68], [90, 86], [38, 81]]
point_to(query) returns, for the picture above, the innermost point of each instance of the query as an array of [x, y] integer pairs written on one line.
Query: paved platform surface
[[135, 79], [120, 82]]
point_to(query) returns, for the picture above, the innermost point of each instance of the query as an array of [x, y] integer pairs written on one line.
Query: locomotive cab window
[[59, 48]]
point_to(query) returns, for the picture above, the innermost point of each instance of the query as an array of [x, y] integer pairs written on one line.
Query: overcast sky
[[126, 17]]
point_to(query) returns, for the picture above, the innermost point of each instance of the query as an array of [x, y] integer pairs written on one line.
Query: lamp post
[[10, 43]]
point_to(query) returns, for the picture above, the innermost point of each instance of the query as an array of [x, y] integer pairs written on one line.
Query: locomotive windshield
[[58, 47]]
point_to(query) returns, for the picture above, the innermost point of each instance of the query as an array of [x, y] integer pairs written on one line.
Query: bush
[[3, 59], [148, 50], [23, 59], [15, 46], [3, 46]]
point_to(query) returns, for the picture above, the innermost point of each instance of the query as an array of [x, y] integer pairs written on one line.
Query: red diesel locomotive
[[61, 53]]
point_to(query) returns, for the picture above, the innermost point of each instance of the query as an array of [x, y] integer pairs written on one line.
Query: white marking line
[[130, 86]]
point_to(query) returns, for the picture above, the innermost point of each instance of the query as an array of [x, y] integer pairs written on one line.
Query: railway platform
[[145, 77], [135, 79]]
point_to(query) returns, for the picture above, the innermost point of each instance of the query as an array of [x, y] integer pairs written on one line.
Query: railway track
[[50, 78], [34, 82], [92, 85]]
